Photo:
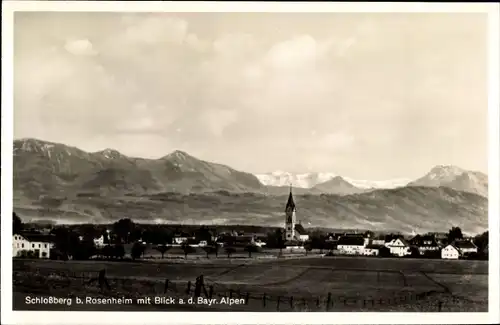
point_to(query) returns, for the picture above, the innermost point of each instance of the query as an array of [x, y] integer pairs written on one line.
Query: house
[[440, 237], [351, 245], [450, 252], [398, 246], [179, 239], [372, 250], [465, 247], [37, 244], [239, 241], [99, 242], [300, 233], [425, 244]]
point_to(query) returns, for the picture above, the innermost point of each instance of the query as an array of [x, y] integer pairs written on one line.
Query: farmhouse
[[425, 244], [372, 250], [351, 245], [450, 252], [36, 244], [181, 238], [99, 242], [465, 247], [398, 246]]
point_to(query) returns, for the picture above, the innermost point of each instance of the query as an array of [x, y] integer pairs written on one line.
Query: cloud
[[80, 47], [236, 84]]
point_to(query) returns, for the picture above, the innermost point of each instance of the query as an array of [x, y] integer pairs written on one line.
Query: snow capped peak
[[309, 180], [110, 153], [283, 178], [178, 155], [441, 172]]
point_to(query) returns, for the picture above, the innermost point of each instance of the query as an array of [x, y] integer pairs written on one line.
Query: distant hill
[[407, 209], [57, 182], [337, 185], [456, 178], [45, 168]]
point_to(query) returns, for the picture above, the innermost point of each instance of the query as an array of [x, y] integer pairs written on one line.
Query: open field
[[299, 284]]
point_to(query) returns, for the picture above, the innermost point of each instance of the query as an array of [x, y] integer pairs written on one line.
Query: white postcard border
[[10, 317]]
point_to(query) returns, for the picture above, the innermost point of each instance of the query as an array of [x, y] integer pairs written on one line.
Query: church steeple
[[290, 217], [290, 204]]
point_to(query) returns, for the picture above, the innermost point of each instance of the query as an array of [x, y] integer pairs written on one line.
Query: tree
[[123, 228], [118, 251], [162, 249], [137, 250], [384, 252], [308, 247], [230, 251], [66, 242], [251, 249], [414, 252], [481, 241], [280, 240], [454, 234], [216, 248], [208, 250], [188, 249], [84, 249], [17, 224]]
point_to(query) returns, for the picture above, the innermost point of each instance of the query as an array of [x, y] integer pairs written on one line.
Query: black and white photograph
[[251, 161]]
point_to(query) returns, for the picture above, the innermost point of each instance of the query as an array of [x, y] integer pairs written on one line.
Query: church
[[294, 232]]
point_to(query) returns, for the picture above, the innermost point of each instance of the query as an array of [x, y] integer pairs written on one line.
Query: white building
[[178, 240], [372, 250], [399, 247], [40, 245], [99, 242], [450, 252], [351, 245], [465, 247]]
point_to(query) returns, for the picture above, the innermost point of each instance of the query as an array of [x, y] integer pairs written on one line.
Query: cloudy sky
[[371, 96]]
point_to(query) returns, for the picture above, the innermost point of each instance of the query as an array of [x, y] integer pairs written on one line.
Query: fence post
[[291, 302], [304, 303], [210, 291], [317, 302], [328, 300], [278, 304], [188, 289], [440, 305], [247, 298], [264, 300], [166, 286]]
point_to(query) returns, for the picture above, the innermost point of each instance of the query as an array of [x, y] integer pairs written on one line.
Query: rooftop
[[351, 241]]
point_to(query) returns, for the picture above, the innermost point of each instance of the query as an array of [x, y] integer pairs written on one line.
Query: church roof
[[290, 204], [300, 229]]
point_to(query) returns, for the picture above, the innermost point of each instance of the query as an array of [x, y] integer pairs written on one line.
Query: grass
[[353, 283]]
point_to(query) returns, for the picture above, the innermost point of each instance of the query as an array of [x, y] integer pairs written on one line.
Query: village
[[291, 240]]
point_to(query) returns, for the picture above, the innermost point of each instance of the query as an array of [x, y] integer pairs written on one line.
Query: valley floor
[[295, 284]]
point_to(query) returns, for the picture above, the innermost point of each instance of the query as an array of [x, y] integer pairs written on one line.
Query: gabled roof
[[372, 246], [464, 244], [300, 229], [454, 247], [290, 204], [351, 241], [421, 241], [35, 237], [402, 240]]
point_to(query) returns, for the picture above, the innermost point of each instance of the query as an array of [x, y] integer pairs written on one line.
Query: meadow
[[268, 284]]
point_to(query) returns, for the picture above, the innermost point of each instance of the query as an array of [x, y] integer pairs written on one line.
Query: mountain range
[[53, 180]]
